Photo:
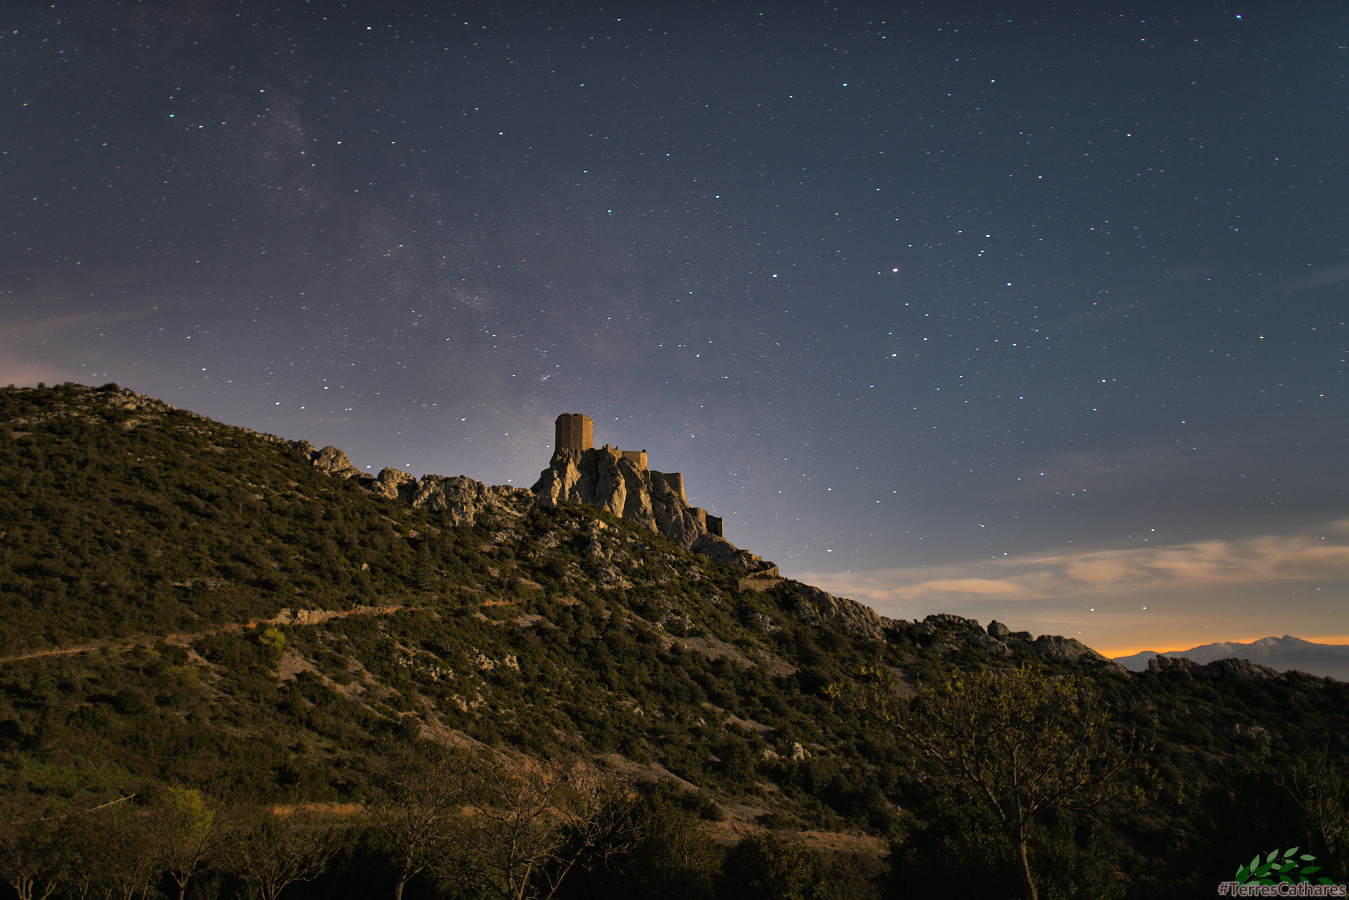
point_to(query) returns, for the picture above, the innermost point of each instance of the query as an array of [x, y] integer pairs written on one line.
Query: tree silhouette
[[181, 827], [418, 798], [1020, 741], [274, 850]]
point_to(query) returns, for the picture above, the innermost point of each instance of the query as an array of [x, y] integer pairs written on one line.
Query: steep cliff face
[[617, 484], [654, 500]]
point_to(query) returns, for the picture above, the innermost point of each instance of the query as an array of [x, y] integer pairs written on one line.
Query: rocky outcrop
[[393, 484], [720, 550], [329, 459], [952, 633], [617, 484], [810, 602], [463, 500], [1070, 649], [1222, 669], [945, 624], [1000, 631]]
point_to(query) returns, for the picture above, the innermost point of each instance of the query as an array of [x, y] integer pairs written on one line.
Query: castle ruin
[[575, 437]]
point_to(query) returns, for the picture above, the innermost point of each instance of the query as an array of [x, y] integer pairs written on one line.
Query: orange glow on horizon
[[1130, 651], [1115, 653]]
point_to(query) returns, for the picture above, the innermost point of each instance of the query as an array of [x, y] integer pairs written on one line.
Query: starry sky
[[1026, 311]]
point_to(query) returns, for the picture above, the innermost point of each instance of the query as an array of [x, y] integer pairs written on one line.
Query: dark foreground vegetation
[[225, 673]]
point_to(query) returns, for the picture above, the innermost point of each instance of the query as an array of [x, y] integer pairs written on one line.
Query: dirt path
[[183, 639]]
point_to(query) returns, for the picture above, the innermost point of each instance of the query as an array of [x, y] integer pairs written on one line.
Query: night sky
[[1026, 311]]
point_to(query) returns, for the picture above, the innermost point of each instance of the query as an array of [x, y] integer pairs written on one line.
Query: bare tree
[[1019, 741], [131, 861], [271, 851], [28, 858], [83, 851], [536, 821], [1322, 794], [416, 804]]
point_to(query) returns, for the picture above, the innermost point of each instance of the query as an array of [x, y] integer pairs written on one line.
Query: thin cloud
[[1332, 275], [979, 587], [1167, 570]]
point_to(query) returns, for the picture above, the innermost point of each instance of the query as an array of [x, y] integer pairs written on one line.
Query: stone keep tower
[[575, 431]]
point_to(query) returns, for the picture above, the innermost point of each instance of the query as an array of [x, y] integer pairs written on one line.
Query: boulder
[[329, 459], [394, 484]]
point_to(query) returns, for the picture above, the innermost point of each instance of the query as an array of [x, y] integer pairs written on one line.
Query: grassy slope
[[157, 536]]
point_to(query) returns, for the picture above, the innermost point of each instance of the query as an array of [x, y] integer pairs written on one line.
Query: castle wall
[[714, 526], [672, 480], [638, 457], [575, 431]]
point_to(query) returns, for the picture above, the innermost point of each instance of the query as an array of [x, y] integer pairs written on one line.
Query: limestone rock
[[1070, 649], [329, 459], [811, 602], [463, 500], [945, 623], [1223, 669], [1239, 669], [1172, 665], [393, 484], [607, 480], [989, 643], [722, 551]]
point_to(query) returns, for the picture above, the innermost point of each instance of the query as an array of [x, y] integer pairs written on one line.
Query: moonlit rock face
[[394, 483], [616, 483], [462, 499], [329, 459]]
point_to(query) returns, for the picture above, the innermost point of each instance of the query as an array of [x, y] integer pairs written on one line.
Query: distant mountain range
[[1282, 654]]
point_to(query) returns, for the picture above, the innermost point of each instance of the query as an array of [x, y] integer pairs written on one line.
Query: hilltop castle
[[620, 481]]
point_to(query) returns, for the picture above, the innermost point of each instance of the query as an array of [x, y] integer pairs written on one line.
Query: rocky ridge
[[594, 478], [616, 484], [609, 481], [949, 634], [1220, 669], [809, 602]]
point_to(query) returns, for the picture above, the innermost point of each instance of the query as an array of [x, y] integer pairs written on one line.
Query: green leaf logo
[[1284, 867]]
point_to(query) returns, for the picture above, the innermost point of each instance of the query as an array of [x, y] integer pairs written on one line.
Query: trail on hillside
[[183, 639]]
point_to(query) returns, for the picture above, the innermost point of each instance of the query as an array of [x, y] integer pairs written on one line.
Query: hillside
[[184, 602]]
